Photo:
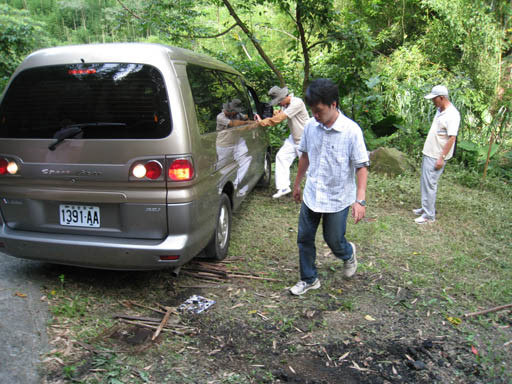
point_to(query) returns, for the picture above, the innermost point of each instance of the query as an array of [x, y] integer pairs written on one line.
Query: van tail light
[[8, 167], [151, 170], [181, 170]]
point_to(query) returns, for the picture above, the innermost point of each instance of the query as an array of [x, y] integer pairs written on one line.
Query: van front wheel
[[217, 248]]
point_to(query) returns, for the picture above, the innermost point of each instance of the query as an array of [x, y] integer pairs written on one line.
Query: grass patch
[[410, 293]]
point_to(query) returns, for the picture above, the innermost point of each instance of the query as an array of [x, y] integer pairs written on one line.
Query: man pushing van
[[294, 111]]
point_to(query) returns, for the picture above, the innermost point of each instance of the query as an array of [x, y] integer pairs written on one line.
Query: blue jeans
[[333, 225]]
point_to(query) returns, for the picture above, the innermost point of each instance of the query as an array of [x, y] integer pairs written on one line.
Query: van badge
[[47, 171], [85, 172], [62, 172]]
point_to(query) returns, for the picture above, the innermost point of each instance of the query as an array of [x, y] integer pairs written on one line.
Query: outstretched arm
[[274, 120]]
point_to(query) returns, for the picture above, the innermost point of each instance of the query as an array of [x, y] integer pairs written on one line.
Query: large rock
[[389, 161]]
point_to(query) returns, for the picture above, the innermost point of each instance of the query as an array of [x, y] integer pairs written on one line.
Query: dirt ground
[[256, 332]]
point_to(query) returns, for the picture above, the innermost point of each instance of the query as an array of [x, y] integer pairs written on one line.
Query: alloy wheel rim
[[223, 226]]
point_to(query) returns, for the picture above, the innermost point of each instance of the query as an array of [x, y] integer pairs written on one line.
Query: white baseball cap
[[438, 90]]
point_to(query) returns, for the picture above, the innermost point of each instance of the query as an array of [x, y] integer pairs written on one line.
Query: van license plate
[[79, 216]]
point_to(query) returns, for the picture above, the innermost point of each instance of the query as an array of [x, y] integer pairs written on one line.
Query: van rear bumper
[[96, 251]]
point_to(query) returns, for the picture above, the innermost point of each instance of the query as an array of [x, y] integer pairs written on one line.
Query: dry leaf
[[19, 294], [369, 318], [344, 356], [47, 360], [474, 350], [291, 369], [357, 366], [310, 314]]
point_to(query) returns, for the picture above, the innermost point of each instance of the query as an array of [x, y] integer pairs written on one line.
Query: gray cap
[[277, 94], [234, 105], [438, 90]]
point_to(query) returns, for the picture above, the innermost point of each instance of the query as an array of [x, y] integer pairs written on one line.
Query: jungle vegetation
[[384, 54]]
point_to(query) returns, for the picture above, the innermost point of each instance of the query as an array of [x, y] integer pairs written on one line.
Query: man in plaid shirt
[[334, 155]]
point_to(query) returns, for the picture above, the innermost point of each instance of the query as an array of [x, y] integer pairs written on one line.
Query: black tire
[[266, 178], [217, 248]]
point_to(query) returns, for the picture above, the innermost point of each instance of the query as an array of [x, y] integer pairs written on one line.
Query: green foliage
[[19, 35], [384, 54]]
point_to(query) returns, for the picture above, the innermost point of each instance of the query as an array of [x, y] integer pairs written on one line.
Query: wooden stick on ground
[[162, 324], [495, 309], [145, 306], [253, 277], [172, 330], [138, 318]]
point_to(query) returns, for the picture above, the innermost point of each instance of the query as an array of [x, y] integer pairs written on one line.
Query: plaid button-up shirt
[[334, 153]]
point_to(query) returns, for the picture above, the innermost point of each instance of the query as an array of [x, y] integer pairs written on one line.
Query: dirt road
[[23, 318]]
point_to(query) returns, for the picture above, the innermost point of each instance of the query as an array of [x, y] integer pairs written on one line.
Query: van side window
[[212, 89]]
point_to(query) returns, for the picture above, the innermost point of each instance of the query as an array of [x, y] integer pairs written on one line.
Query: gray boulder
[[389, 161]]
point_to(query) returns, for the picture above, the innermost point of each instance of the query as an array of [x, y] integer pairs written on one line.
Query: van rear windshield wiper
[[72, 130]]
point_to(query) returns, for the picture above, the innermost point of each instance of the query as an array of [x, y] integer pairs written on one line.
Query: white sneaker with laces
[[350, 266], [418, 211], [281, 192], [423, 220], [302, 287]]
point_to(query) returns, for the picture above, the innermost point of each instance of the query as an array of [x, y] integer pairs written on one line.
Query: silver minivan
[[125, 156]]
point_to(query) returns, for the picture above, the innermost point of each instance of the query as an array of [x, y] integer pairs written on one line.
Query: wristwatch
[[361, 202]]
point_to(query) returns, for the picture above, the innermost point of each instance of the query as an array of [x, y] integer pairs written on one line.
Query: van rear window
[[106, 101]]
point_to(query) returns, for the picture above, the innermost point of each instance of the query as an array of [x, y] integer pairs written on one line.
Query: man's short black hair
[[323, 91]]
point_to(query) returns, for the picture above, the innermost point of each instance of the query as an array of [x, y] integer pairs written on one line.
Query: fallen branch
[[139, 318], [495, 309], [253, 277], [163, 323], [203, 277], [145, 306], [213, 271], [190, 330], [203, 286]]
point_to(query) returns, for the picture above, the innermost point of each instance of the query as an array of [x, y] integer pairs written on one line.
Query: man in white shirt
[[294, 111], [438, 148]]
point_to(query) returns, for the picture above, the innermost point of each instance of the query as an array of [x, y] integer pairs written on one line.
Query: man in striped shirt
[[334, 155]]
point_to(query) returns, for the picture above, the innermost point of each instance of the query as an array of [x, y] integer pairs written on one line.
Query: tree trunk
[[304, 45], [254, 42]]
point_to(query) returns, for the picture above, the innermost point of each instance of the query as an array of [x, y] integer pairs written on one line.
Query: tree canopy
[[384, 54]]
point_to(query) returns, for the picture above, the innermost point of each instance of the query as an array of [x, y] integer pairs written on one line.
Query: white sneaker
[[281, 192], [350, 266], [302, 287], [418, 211], [423, 220]]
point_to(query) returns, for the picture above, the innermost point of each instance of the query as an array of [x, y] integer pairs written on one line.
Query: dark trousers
[[333, 225]]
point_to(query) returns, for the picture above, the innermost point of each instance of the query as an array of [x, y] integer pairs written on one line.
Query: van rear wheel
[[217, 248]]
